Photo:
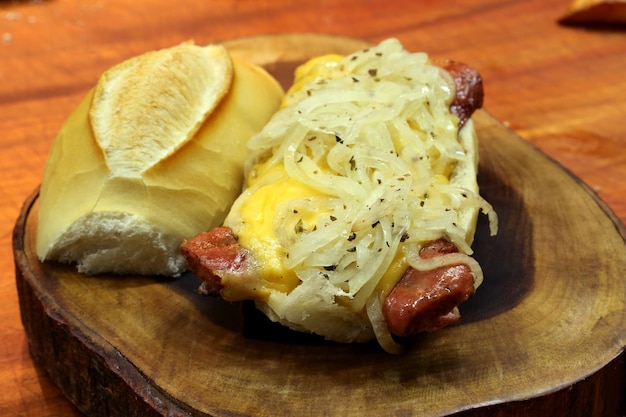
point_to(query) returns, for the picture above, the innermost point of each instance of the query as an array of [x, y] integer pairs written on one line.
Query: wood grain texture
[[544, 334], [559, 87]]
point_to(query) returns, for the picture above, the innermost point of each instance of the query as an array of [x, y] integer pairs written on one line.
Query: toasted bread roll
[[153, 155]]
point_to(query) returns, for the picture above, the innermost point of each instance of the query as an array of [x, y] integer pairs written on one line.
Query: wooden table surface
[[561, 88]]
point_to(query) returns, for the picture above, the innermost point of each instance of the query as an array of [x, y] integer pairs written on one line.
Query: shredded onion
[[429, 264], [381, 331]]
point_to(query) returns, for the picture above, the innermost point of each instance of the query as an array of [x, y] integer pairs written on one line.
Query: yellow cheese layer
[[308, 72], [258, 214]]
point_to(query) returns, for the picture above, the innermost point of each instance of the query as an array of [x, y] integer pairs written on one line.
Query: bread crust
[[120, 193]]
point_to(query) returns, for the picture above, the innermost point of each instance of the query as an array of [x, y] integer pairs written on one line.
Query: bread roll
[[152, 155]]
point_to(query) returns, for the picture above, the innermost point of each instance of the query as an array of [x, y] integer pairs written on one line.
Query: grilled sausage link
[[424, 301], [212, 253]]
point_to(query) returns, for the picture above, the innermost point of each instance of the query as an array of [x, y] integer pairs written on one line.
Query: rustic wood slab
[[544, 335]]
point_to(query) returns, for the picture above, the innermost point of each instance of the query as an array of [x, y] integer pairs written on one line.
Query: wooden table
[[560, 88]]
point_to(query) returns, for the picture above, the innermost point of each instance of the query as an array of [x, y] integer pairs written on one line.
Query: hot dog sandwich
[[360, 202]]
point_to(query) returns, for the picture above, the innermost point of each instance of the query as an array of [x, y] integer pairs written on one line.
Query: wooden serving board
[[544, 335]]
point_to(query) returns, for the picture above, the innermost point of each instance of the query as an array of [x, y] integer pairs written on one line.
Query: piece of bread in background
[[595, 13], [152, 155]]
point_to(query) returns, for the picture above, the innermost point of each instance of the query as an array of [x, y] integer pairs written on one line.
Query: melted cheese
[[259, 236], [326, 66]]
